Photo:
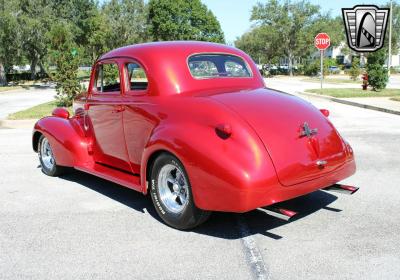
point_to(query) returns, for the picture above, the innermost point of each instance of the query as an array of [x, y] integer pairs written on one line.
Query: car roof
[[167, 69], [171, 47]]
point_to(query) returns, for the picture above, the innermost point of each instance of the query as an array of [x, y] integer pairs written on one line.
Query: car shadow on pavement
[[220, 225], [126, 196], [225, 225]]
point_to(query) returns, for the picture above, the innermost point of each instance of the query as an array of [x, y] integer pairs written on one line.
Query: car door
[[139, 116], [105, 108]]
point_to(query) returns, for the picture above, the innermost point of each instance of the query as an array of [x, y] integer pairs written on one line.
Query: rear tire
[[172, 196], [47, 159]]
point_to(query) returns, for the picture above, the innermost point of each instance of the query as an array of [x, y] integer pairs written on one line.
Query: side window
[[137, 79], [107, 78]]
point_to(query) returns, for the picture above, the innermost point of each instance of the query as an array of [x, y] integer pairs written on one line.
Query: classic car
[[193, 125]]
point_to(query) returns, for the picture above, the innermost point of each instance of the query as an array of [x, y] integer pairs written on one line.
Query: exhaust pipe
[[342, 189], [279, 213]]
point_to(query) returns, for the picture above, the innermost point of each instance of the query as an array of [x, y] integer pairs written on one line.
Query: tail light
[[324, 112]]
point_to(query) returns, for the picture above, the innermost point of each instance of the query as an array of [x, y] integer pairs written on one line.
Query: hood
[[301, 141]]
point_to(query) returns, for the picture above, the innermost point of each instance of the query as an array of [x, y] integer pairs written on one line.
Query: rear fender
[[218, 168], [67, 139]]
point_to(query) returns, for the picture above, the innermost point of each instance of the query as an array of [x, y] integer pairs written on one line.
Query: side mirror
[[61, 113]]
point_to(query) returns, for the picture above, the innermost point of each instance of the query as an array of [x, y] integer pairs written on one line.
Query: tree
[[290, 22], [98, 38], [108, 28], [332, 26], [82, 17], [183, 20], [9, 38], [355, 68], [395, 28], [261, 43], [127, 20], [78, 14], [38, 16], [34, 21], [63, 55], [377, 74], [285, 29]]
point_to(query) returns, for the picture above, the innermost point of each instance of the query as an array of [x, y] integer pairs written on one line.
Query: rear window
[[206, 66]]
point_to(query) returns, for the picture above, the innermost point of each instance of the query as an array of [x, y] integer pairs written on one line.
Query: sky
[[234, 15]]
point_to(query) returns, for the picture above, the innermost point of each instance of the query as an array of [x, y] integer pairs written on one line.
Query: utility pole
[[389, 62]]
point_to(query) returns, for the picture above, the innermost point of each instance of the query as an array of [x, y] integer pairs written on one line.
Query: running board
[[114, 175], [342, 189], [279, 213]]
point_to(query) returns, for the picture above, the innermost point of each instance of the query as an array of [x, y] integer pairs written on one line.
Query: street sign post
[[322, 41]]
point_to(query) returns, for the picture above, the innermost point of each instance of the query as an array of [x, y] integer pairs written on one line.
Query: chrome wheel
[[173, 188], [46, 154]]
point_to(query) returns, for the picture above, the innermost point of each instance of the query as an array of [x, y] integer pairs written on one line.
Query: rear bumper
[[252, 196]]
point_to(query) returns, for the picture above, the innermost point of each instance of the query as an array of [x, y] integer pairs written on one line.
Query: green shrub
[[355, 70], [377, 74], [65, 57], [314, 67]]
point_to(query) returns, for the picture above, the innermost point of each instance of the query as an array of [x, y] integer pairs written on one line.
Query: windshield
[[206, 66]]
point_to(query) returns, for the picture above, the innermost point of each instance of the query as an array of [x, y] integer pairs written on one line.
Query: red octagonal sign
[[322, 41]]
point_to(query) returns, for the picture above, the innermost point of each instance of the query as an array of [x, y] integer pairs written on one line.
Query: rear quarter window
[[208, 66], [137, 78], [107, 78]]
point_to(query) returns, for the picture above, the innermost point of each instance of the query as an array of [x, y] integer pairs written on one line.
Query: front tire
[[172, 194], [47, 159]]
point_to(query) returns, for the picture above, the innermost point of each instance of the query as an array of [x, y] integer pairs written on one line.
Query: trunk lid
[[302, 143]]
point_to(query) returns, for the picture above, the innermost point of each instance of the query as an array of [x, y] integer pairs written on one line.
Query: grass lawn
[[6, 88], [36, 112], [355, 92], [395, 98], [332, 81]]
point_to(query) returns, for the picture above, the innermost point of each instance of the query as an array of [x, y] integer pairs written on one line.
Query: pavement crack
[[252, 252]]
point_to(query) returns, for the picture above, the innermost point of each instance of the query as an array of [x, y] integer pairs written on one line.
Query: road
[[20, 99], [82, 227], [300, 83]]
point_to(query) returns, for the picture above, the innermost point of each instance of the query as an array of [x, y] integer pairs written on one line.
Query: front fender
[[67, 139]]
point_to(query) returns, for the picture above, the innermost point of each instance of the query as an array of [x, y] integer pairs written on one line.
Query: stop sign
[[322, 41]]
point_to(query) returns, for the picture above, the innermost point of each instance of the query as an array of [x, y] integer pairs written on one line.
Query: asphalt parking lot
[[82, 227]]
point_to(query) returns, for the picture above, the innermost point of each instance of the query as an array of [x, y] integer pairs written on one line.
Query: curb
[[17, 123], [351, 103]]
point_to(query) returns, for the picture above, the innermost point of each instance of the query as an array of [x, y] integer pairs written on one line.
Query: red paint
[[61, 113], [288, 213], [349, 188], [322, 41], [325, 112], [261, 161]]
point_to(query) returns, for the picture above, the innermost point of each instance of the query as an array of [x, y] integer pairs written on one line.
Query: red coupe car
[[193, 125]]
